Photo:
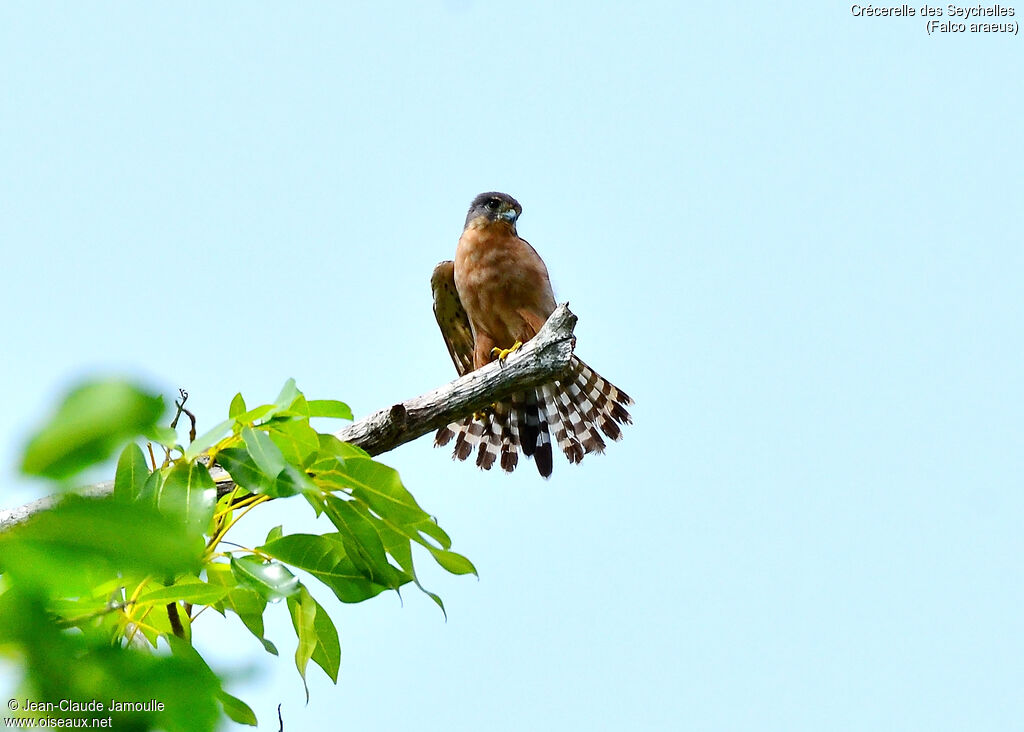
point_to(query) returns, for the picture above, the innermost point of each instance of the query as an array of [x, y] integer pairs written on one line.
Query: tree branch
[[542, 359]]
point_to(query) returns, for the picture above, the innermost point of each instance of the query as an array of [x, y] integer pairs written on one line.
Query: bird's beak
[[509, 214]]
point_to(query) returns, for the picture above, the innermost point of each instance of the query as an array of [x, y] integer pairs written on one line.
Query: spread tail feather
[[575, 410]]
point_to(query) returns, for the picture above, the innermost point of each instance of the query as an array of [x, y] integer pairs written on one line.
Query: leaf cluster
[[114, 585]]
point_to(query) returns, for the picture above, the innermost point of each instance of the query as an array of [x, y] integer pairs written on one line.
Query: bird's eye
[[492, 204]]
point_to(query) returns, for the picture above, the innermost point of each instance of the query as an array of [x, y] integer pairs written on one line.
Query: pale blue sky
[[791, 234]]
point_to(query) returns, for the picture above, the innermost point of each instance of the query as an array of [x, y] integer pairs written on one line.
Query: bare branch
[[14, 516], [542, 359]]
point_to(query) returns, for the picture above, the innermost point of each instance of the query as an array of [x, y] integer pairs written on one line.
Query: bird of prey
[[493, 298]]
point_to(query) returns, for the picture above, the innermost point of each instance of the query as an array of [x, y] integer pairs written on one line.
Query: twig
[[191, 417], [172, 616]]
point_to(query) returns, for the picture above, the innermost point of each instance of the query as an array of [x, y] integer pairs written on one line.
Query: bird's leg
[[503, 353]]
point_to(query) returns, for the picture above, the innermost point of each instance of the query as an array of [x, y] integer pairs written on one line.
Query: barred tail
[[591, 403], [575, 410]]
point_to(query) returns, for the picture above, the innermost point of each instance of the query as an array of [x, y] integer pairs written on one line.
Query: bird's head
[[493, 208]]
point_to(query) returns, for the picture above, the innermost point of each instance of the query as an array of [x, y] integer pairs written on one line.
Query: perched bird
[[493, 298]]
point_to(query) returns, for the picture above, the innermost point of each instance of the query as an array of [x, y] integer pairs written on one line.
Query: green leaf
[[132, 472], [237, 406], [381, 489], [399, 547], [81, 542], [88, 605], [295, 438], [162, 435], [208, 439], [291, 481], [303, 608], [92, 422], [202, 680], [224, 507], [285, 399], [274, 533], [396, 516], [189, 493], [452, 561], [361, 539], [84, 666], [254, 414], [324, 557], [236, 709], [298, 408], [331, 445], [151, 488], [329, 408], [157, 624], [248, 604], [194, 591], [243, 470], [264, 452], [271, 579], [327, 654]]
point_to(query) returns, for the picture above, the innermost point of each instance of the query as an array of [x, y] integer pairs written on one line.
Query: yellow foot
[[484, 413], [503, 353]]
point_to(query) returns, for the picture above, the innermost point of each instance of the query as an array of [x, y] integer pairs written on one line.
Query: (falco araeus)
[[496, 294]]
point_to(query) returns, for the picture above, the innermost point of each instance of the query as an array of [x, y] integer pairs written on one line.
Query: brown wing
[[451, 317]]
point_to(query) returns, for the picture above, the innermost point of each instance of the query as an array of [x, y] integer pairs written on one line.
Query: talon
[[484, 413], [503, 353]]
